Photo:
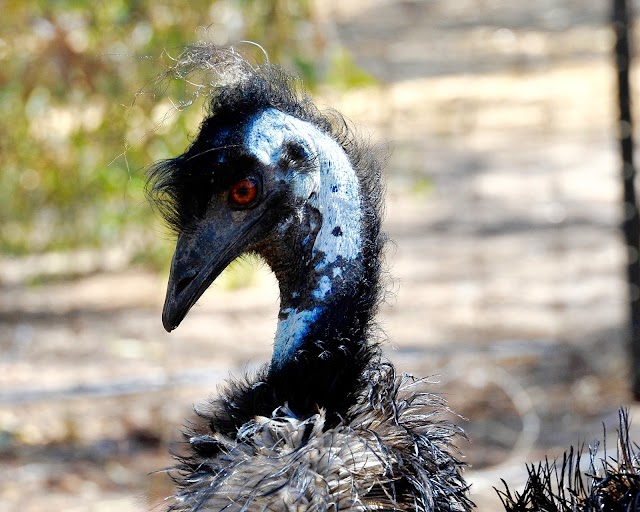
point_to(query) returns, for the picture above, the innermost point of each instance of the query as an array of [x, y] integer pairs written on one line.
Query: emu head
[[267, 173]]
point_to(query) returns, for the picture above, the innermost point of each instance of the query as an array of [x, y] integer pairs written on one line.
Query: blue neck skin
[[320, 297], [323, 313]]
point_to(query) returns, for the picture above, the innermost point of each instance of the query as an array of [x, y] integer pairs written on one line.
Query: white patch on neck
[[291, 331], [324, 287], [332, 179], [331, 186]]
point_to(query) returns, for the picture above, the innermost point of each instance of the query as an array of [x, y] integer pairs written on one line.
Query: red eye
[[244, 192]]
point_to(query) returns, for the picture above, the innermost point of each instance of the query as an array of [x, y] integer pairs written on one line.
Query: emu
[[327, 424], [609, 483]]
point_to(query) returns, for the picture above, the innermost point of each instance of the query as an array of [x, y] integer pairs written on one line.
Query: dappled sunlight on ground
[[507, 270]]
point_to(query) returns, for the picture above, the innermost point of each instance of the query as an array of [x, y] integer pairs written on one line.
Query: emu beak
[[199, 258]]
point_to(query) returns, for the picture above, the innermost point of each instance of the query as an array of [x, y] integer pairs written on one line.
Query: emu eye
[[244, 192]]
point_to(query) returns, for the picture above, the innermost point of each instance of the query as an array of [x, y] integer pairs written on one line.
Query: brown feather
[[393, 451]]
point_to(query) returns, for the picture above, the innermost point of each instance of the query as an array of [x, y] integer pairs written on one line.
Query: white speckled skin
[[324, 287], [331, 186], [337, 194]]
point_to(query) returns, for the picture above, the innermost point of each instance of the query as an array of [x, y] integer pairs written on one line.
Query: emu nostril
[[186, 279]]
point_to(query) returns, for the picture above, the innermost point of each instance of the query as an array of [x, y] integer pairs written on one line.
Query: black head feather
[[180, 187], [235, 90], [327, 425]]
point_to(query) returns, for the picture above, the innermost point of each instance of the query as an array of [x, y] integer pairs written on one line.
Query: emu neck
[[318, 295], [325, 312], [323, 339], [327, 268]]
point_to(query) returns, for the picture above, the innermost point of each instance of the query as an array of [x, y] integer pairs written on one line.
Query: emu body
[[327, 424]]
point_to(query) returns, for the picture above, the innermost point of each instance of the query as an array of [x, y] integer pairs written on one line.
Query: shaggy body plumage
[[609, 485], [327, 425], [390, 452]]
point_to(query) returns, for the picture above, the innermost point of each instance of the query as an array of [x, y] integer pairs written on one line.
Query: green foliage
[[80, 114], [422, 187], [345, 74]]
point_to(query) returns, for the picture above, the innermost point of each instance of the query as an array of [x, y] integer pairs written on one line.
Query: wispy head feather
[[236, 88]]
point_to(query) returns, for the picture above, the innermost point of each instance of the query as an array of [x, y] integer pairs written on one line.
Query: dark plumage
[[327, 425], [611, 484]]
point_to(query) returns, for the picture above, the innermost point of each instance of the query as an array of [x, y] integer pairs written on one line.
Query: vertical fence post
[[622, 19]]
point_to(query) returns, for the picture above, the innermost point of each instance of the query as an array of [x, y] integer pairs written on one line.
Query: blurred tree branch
[[70, 73]]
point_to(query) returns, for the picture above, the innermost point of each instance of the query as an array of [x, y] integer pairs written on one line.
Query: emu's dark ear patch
[[295, 153], [295, 156]]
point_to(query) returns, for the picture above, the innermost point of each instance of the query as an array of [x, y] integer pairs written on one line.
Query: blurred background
[[503, 202]]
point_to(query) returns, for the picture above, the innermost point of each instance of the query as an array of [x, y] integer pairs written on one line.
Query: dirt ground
[[507, 269]]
